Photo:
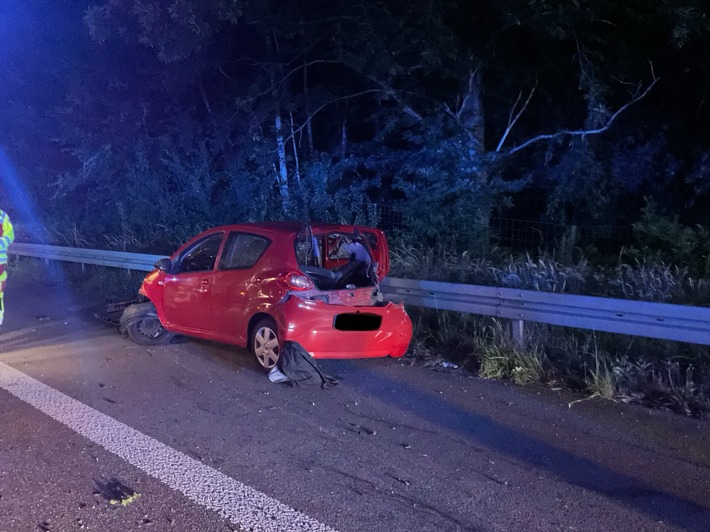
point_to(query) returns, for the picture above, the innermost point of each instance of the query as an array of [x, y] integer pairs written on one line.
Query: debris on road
[[113, 310], [116, 492], [359, 429], [297, 367]]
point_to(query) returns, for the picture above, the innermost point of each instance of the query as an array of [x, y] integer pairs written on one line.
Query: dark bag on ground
[[300, 368]]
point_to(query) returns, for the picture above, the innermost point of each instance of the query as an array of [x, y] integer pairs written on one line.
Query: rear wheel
[[148, 330], [264, 343]]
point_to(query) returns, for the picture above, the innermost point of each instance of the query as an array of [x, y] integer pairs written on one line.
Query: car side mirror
[[163, 265]]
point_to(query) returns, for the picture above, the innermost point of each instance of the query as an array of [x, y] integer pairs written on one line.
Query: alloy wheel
[[266, 346]]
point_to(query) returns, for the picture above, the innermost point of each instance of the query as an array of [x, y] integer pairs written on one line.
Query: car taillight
[[294, 280]]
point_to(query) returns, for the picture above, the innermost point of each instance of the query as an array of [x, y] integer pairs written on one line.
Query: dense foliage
[[150, 118]]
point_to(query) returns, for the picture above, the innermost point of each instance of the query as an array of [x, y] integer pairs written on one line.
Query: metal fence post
[[518, 328]]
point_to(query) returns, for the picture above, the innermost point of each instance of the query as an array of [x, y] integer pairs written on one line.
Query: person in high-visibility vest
[[7, 235]]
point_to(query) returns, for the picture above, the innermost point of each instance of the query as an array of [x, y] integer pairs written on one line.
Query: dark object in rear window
[[357, 322]]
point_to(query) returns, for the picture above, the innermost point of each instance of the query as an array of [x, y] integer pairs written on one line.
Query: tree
[[452, 109]]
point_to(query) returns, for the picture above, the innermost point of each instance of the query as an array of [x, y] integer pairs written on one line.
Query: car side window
[[201, 256], [242, 250]]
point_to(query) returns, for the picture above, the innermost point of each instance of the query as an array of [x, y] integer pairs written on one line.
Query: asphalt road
[[97, 433]]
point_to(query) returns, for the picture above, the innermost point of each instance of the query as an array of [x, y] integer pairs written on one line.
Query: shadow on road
[[46, 335], [573, 469]]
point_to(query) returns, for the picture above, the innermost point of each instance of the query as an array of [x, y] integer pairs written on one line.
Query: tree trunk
[[470, 115], [309, 127], [297, 169], [282, 176], [344, 140]]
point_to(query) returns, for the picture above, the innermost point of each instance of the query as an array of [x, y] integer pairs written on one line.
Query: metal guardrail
[[113, 259], [638, 318]]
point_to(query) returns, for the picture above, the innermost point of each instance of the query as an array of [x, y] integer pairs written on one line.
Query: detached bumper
[[339, 331]]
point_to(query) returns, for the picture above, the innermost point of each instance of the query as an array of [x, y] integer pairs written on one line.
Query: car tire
[[264, 343], [148, 331]]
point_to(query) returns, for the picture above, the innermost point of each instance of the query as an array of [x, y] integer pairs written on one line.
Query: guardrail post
[[518, 329]]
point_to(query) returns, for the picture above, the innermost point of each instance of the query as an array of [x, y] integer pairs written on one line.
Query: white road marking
[[242, 505]]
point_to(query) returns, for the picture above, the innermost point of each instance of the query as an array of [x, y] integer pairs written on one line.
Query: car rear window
[[242, 250]]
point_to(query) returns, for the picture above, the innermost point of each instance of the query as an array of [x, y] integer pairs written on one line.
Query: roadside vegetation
[[667, 264], [654, 373]]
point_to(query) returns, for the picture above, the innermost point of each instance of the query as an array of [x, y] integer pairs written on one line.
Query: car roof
[[288, 227]]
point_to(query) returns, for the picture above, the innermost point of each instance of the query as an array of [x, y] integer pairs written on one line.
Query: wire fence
[[532, 237], [529, 236]]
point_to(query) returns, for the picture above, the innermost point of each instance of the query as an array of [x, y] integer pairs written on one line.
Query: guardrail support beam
[[518, 330]]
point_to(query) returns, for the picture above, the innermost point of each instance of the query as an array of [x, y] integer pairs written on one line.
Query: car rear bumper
[[340, 331]]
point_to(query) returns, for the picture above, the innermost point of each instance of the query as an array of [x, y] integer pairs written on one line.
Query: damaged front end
[[140, 322], [113, 310], [138, 319]]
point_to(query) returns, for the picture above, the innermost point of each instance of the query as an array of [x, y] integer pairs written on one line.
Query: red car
[[260, 285]]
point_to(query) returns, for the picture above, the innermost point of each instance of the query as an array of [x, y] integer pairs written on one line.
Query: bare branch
[[297, 173], [275, 84], [469, 115], [389, 91], [449, 111], [472, 89], [205, 99], [513, 119], [326, 104], [408, 110], [585, 132], [305, 65]]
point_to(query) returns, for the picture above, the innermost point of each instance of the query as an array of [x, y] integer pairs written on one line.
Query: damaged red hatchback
[[262, 284]]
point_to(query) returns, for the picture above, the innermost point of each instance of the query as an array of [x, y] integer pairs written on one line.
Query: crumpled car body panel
[[313, 325]]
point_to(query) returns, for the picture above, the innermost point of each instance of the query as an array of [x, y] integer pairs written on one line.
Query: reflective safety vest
[[7, 235]]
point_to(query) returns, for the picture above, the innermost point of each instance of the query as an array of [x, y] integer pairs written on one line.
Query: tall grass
[[641, 280], [657, 373]]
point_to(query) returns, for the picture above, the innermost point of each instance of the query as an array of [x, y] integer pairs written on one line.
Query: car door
[[238, 283], [187, 289], [376, 242]]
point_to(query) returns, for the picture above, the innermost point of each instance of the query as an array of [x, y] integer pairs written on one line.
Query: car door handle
[[204, 285]]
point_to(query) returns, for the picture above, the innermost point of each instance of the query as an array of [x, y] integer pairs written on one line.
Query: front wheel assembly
[[141, 324]]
